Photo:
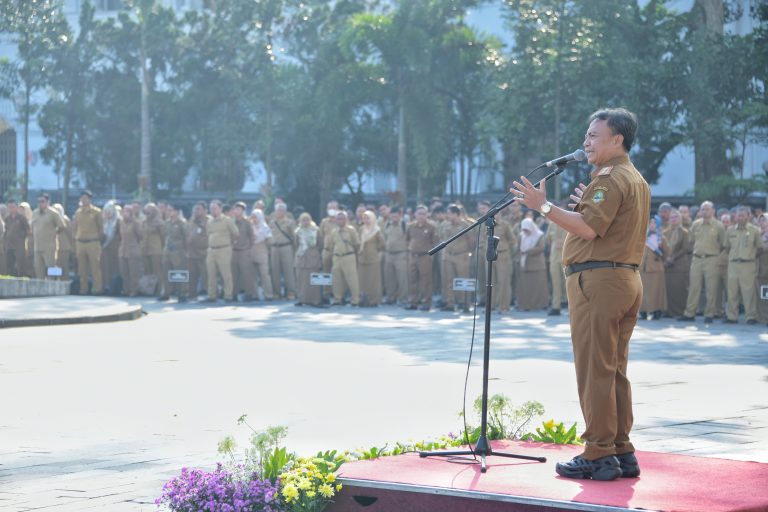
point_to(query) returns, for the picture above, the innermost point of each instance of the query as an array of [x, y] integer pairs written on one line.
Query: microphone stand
[[483, 447]]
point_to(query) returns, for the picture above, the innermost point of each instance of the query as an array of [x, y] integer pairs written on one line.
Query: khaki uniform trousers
[[557, 277], [62, 260], [43, 260], [219, 261], [14, 259], [131, 270], [343, 276], [704, 271], [502, 281], [327, 265], [603, 312], [515, 278], [174, 260], [721, 289], [88, 256], [742, 279], [242, 272], [420, 279], [396, 276], [282, 263], [197, 274], [260, 269], [454, 265]]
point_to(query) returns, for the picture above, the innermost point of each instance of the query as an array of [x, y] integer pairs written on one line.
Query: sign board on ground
[[55, 272], [463, 284], [320, 279], [764, 292], [178, 276]]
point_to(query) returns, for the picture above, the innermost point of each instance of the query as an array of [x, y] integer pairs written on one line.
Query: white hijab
[[530, 235]]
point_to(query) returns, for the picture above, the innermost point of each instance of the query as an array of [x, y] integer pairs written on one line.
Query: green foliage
[[505, 421], [264, 457], [550, 432]]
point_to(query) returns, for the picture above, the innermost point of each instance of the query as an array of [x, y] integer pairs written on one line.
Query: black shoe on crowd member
[[643, 315], [423, 307], [604, 468], [686, 319], [708, 319], [729, 321], [447, 308], [553, 312], [629, 465], [656, 315], [411, 307], [751, 321]]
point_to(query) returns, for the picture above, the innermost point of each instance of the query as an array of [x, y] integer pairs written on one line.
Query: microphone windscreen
[[579, 155]]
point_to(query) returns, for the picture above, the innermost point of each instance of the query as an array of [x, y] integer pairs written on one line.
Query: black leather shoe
[[604, 468], [729, 321], [751, 321], [708, 319], [629, 465], [686, 319], [410, 307], [553, 312], [423, 307]]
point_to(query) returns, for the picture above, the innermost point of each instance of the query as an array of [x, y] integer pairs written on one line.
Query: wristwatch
[[545, 208]]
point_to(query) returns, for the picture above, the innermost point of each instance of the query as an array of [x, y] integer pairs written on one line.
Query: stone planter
[[15, 287]]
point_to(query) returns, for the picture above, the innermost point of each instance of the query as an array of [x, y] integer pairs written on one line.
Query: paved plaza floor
[[99, 416]]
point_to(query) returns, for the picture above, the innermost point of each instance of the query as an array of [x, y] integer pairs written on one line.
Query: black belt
[[704, 255], [282, 245], [345, 254], [419, 253], [588, 265], [219, 246], [739, 260], [90, 240]]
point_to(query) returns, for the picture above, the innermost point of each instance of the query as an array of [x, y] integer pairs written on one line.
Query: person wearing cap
[[242, 275], [89, 230], [281, 252], [602, 253], [221, 233], [46, 223]]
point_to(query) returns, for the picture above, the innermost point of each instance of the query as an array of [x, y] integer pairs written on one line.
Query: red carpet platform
[[668, 482]]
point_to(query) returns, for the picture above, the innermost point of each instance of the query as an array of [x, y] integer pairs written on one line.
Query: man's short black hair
[[621, 122], [44, 195], [396, 209], [454, 209], [202, 203]]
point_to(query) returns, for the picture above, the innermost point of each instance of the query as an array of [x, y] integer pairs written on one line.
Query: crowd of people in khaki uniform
[[697, 260]]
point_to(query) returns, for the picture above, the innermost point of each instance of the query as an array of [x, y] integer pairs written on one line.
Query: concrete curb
[[131, 313]]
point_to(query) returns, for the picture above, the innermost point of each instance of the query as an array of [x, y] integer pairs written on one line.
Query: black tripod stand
[[483, 447]]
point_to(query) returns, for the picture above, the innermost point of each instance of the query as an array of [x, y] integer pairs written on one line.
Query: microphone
[[577, 156]]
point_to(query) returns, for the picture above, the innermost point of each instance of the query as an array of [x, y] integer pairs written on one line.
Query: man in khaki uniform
[[721, 285], [282, 261], [744, 242], [502, 268], [707, 239], [482, 209], [174, 253], [556, 240], [327, 226], [421, 236], [241, 256], [89, 228], [197, 247], [46, 223], [455, 259], [344, 243], [16, 231], [395, 257], [514, 216], [221, 232], [602, 252]]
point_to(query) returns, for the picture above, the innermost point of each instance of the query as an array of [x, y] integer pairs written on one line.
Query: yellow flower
[[304, 484], [290, 493], [326, 491], [549, 424], [338, 487], [330, 478], [311, 494]]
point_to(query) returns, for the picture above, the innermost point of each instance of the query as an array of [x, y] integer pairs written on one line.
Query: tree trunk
[[325, 187], [27, 107], [402, 174], [68, 163], [145, 178]]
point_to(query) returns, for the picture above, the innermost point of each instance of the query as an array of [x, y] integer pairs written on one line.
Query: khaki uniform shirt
[[45, 225], [394, 236], [743, 244], [344, 241], [197, 237], [327, 226], [152, 237], [507, 237], [707, 237], [556, 240], [130, 238], [64, 237], [89, 225], [221, 232], [175, 232], [245, 235], [283, 231], [421, 238], [462, 245], [616, 205]]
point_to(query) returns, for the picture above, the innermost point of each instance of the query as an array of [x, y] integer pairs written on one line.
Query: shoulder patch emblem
[[599, 196], [605, 171]]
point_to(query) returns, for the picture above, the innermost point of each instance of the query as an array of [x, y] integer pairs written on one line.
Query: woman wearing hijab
[[762, 268], [652, 273], [533, 291], [677, 264], [260, 252], [28, 268], [369, 260], [308, 260], [110, 260]]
